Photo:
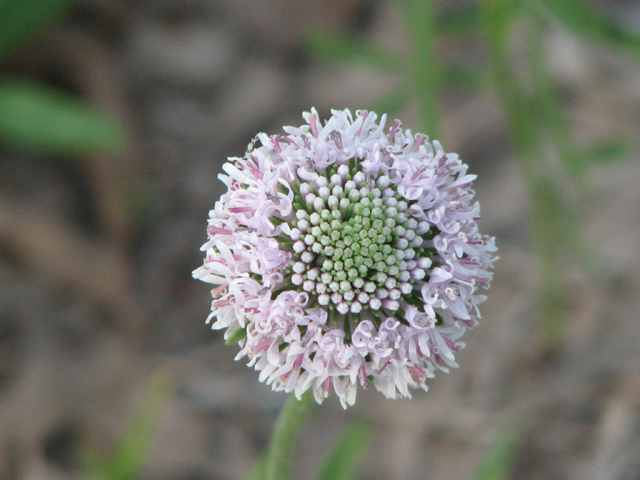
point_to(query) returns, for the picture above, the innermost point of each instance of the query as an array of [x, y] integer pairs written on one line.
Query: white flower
[[344, 255]]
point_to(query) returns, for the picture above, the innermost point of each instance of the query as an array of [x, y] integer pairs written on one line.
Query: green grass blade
[[424, 69], [578, 16], [346, 455], [574, 161], [469, 77], [548, 102], [37, 118], [609, 151], [500, 461], [350, 49], [497, 16], [258, 472], [390, 104], [461, 21], [129, 456], [21, 19], [553, 226]]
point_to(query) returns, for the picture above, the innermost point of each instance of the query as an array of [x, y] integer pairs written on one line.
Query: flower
[[343, 255]]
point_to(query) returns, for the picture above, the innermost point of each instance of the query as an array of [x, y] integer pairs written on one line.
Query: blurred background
[[115, 119]]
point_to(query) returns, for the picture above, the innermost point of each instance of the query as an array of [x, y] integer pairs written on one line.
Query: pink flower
[[344, 256]]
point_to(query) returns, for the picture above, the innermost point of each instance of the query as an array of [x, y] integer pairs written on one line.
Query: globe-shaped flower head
[[346, 254]]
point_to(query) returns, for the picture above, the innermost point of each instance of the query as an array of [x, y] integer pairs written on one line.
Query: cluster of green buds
[[355, 243]]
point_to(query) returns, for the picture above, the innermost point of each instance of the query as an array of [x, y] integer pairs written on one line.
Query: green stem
[[550, 107], [280, 453], [559, 224], [423, 67], [572, 162], [528, 116]]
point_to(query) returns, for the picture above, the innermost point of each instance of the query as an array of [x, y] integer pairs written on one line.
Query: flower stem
[[280, 453]]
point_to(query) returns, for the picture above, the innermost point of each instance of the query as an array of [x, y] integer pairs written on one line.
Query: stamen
[[363, 114], [240, 209], [218, 231], [276, 142], [308, 165], [313, 121], [273, 198], [394, 129], [337, 138], [275, 157], [386, 157], [418, 142], [418, 173]]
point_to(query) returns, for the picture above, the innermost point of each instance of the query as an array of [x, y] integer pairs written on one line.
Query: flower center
[[356, 245]]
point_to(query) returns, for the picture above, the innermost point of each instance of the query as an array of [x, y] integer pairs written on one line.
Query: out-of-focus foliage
[[343, 461], [33, 116], [581, 19], [127, 460], [500, 460], [20, 20]]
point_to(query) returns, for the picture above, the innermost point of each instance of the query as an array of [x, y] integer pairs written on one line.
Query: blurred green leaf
[[466, 76], [390, 103], [577, 15], [609, 151], [35, 117], [346, 455], [547, 103], [534, 116], [346, 49], [424, 70], [21, 19], [498, 19], [460, 21], [127, 461], [501, 458], [259, 469]]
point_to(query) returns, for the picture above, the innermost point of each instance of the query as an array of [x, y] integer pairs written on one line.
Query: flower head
[[344, 254]]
